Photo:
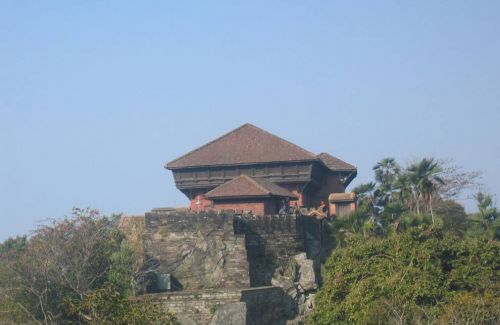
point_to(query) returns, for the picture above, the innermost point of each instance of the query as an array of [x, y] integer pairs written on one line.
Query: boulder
[[307, 277], [230, 314]]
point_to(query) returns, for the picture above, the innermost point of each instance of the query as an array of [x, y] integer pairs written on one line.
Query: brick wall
[[256, 207], [331, 184]]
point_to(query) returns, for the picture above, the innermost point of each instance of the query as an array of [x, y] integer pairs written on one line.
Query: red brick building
[[258, 195], [273, 168]]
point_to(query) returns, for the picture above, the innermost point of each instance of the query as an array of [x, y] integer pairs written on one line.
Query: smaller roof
[[246, 186], [335, 164], [342, 197]]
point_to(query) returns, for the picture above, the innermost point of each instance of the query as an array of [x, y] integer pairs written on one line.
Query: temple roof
[[247, 144], [334, 163], [246, 186]]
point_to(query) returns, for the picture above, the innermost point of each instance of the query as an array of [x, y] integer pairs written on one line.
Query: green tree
[[416, 276], [487, 210], [63, 267], [17, 244], [107, 306], [486, 222], [425, 177], [386, 173], [453, 216]]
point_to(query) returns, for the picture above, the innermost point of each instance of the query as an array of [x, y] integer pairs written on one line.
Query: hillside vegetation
[[77, 270], [411, 255]]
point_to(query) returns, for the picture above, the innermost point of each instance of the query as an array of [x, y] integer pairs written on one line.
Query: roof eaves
[[168, 164], [353, 168], [241, 164]]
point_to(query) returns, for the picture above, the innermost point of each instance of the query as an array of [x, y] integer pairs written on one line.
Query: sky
[[95, 96]]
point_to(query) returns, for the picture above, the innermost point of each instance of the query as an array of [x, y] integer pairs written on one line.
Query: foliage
[[63, 267], [421, 275], [425, 179], [107, 306], [410, 254], [452, 215], [470, 308], [15, 245], [487, 210], [386, 173], [402, 197]]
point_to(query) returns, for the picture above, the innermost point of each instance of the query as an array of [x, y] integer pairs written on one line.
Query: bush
[[78, 269], [108, 306], [452, 215], [406, 277]]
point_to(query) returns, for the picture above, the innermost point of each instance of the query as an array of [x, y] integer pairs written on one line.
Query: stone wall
[[216, 257], [263, 305], [270, 241], [226, 250], [200, 251], [196, 307]]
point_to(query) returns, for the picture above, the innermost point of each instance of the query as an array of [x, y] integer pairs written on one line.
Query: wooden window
[[260, 171], [275, 170], [232, 172], [217, 173], [202, 173]]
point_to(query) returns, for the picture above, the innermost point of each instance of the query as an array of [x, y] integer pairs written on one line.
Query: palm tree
[[403, 193], [371, 198], [386, 172], [425, 178]]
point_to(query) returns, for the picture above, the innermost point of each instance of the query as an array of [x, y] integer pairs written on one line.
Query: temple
[[253, 170]]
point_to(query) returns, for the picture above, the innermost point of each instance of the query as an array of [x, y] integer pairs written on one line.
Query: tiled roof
[[246, 186], [245, 145], [334, 163], [342, 197]]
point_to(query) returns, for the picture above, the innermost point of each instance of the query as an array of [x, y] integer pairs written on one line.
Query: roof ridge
[[206, 144], [305, 152], [293, 144], [254, 181], [329, 155]]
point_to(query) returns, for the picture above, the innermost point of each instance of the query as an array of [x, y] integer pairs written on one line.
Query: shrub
[[407, 276]]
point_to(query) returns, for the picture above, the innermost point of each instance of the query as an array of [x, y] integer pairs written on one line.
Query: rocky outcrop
[[218, 262], [299, 284], [306, 275], [198, 251]]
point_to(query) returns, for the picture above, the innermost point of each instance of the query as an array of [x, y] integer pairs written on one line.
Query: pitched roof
[[342, 197], [334, 163], [246, 186], [245, 145]]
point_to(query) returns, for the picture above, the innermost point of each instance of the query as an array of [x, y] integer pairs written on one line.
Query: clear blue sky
[[95, 96]]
